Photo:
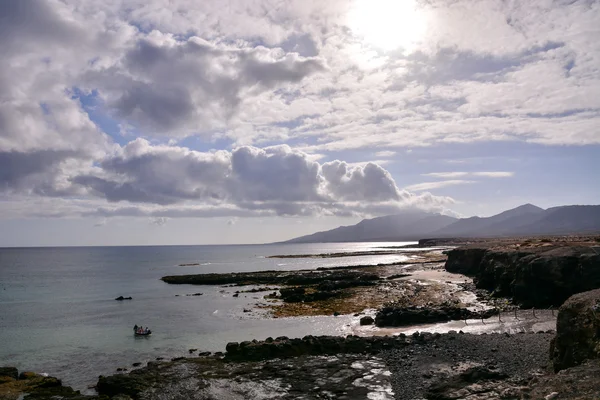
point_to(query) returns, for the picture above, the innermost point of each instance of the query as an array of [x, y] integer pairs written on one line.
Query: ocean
[[58, 313]]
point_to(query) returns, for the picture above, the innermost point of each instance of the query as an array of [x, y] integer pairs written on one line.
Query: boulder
[[577, 331], [367, 320]]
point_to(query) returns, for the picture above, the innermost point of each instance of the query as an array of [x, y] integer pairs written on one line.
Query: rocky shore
[[533, 273], [536, 365]]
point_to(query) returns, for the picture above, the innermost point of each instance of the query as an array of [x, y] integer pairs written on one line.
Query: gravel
[[417, 367]]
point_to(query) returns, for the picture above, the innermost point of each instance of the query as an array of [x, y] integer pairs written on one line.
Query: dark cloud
[[169, 87], [31, 171]]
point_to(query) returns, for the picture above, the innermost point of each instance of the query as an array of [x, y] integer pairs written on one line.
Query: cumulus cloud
[[274, 179], [80, 79], [211, 82]]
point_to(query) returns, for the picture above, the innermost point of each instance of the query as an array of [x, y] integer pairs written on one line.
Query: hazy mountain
[[413, 225], [407, 225], [498, 224], [565, 220]]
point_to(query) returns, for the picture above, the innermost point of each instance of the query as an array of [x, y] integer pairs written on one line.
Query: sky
[[250, 121]]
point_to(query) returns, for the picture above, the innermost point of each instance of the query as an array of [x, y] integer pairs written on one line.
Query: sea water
[[58, 313]]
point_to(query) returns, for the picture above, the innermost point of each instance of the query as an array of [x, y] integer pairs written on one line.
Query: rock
[[577, 331], [236, 295], [136, 364], [122, 384], [121, 298], [367, 320], [28, 375], [192, 350], [10, 372], [404, 316], [538, 277]]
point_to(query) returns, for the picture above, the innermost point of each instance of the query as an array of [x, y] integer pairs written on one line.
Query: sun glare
[[388, 24]]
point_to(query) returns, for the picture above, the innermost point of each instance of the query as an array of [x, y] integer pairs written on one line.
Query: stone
[[577, 331], [367, 320]]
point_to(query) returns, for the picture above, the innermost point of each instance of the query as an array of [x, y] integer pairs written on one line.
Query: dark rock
[[192, 350], [127, 384], [404, 316], [367, 320], [10, 372], [475, 374], [535, 277], [120, 298], [136, 364], [306, 277], [236, 294], [577, 331], [204, 354]]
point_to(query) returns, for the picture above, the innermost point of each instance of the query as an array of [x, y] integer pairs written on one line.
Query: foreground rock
[[392, 316], [577, 331], [431, 366], [344, 376], [31, 386], [540, 277]]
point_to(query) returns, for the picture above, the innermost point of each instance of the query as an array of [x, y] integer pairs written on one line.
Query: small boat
[[138, 331]]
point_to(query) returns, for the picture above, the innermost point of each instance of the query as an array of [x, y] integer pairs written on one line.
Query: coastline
[[388, 350]]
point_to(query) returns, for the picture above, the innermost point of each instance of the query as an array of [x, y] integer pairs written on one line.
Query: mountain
[[415, 224], [496, 225], [408, 225]]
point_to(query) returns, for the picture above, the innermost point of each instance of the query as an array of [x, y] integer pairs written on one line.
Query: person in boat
[[135, 328]]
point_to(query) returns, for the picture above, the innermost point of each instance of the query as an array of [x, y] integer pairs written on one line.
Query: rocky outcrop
[[273, 277], [34, 386], [283, 347], [538, 277], [577, 331], [404, 316]]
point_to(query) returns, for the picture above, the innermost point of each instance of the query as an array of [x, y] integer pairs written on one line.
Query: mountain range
[[417, 224]]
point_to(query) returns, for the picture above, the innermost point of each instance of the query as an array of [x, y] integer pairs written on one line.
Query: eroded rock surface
[[533, 276], [577, 330]]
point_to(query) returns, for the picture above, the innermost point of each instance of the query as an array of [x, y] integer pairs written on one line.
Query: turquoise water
[[58, 314]]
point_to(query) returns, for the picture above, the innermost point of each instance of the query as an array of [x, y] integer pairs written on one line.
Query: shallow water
[[58, 314]]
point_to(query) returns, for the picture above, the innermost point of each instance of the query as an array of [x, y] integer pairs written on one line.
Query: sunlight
[[388, 24]]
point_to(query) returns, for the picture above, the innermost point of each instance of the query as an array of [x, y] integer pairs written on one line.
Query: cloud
[[436, 185], [488, 174], [276, 180], [446, 174], [495, 174], [212, 80], [385, 153]]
